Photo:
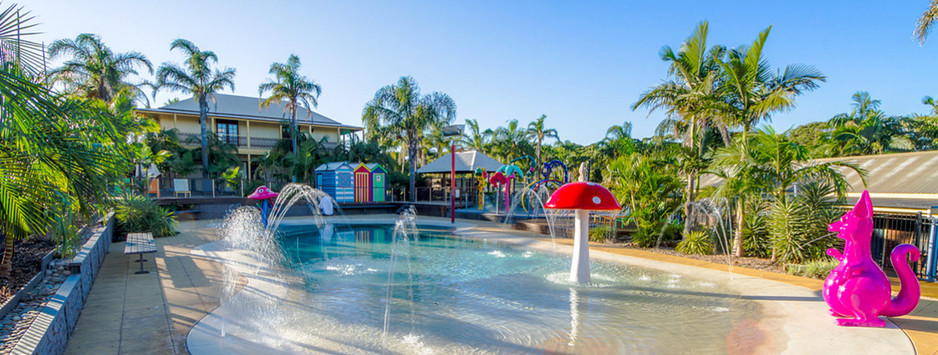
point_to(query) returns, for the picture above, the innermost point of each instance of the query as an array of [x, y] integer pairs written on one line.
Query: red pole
[[452, 185]]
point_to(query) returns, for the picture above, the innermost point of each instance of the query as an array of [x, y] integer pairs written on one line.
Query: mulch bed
[[746, 261], [27, 255]]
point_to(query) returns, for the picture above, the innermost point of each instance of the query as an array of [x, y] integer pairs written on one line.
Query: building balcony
[[242, 142]]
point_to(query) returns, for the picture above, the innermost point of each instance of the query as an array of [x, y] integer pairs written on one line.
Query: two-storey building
[[240, 120]]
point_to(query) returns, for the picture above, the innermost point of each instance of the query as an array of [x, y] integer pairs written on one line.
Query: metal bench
[[140, 243]]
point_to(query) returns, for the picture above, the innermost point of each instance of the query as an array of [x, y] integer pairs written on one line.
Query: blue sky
[[582, 64]]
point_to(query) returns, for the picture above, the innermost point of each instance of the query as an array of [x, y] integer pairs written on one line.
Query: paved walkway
[[152, 313]]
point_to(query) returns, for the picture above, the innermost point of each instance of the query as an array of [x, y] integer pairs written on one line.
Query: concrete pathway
[[149, 313], [125, 313]]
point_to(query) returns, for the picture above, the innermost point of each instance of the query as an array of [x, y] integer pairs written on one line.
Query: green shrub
[[798, 226], [696, 242], [138, 214], [818, 269], [601, 233], [755, 228]]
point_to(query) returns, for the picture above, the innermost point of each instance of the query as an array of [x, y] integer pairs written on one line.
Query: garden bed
[[27, 260]]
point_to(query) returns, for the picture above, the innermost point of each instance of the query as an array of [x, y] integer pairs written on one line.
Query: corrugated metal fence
[[890, 230]]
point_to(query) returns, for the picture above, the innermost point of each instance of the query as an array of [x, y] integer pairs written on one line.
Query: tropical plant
[[537, 132], [798, 225], [697, 242], [57, 156], [771, 163], [474, 138], [233, 178], [691, 102], [138, 214], [924, 24], [96, 71], [401, 111], [199, 79], [601, 234], [649, 189], [868, 130], [291, 89], [221, 155], [510, 142], [816, 269]]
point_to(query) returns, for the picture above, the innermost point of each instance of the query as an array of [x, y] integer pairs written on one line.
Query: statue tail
[[910, 291]]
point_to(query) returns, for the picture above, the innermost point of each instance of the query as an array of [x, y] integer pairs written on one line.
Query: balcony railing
[[239, 141]]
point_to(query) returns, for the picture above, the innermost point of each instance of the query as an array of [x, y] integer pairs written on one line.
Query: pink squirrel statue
[[858, 289]]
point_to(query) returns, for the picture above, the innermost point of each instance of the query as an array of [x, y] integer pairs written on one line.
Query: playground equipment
[[532, 166], [500, 181], [264, 195], [546, 172], [512, 172], [482, 179], [858, 289]]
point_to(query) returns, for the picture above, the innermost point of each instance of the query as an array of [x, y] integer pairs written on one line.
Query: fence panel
[[890, 230]]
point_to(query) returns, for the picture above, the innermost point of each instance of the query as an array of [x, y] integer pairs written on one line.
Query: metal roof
[[907, 173], [248, 107], [466, 162], [333, 166], [904, 180]]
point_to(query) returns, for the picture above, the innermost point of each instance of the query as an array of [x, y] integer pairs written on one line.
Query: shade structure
[[466, 162]]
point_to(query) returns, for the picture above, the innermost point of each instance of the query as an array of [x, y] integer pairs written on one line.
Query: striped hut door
[[362, 186]]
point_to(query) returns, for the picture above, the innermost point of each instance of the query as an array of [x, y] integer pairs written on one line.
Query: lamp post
[[452, 131]]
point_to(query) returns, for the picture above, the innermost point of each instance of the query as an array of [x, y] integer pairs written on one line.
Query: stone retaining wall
[[49, 332]]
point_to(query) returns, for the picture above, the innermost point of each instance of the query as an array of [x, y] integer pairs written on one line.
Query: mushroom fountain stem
[[580, 268]]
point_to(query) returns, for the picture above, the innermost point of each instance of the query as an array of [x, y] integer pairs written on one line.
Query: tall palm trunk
[[294, 133], [203, 122], [689, 205], [738, 242], [7, 264], [412, 162], [539, 152]]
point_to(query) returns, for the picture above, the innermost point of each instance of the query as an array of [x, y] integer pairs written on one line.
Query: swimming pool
[[451, 294]]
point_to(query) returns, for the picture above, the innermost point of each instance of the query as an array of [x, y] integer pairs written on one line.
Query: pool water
[[450, 294]]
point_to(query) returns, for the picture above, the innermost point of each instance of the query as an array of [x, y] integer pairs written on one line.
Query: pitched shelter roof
[[371, 166], [466, 162], [248, 107]]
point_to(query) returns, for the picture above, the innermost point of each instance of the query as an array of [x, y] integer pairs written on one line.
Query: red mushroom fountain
[[582, 196]]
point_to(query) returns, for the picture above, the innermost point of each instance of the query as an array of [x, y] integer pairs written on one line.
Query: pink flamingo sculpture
[[857, 288]]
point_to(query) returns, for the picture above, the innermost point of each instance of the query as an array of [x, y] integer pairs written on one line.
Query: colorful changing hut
[[362, 177], [378, 182], [335, 179], [370, 182]]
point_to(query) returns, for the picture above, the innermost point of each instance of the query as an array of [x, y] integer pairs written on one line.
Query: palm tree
[[754, 92], [198, 79], [96, 71], [772, 163], [538, 132], [291, 89], [690, 100], [475, 138], [926, 22], [868, 130], [406, 114]]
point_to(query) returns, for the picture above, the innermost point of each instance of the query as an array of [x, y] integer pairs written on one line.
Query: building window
[[227, 131]]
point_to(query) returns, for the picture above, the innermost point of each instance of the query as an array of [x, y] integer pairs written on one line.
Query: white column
[[580, 268]]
